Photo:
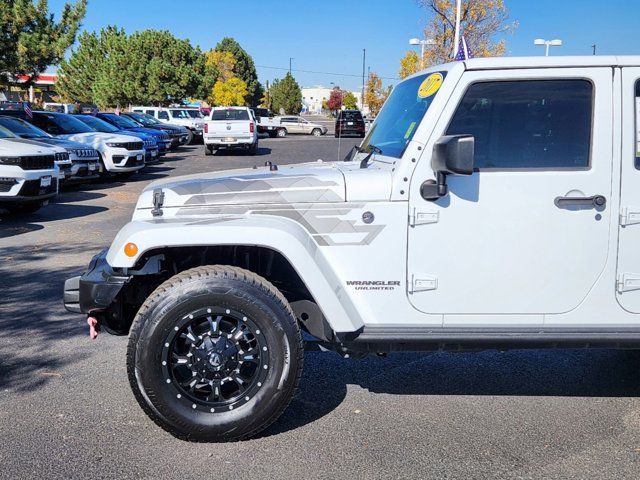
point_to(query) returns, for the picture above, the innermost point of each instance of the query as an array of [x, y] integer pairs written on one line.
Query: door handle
[[597, 201]]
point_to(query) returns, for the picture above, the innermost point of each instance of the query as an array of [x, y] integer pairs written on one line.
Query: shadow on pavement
[[535, 373], [32, 317], [12, 229]]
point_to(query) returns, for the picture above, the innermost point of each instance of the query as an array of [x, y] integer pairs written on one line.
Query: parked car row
[[42, 150]]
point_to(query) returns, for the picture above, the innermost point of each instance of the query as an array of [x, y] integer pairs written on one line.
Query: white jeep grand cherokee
[[28, 174]]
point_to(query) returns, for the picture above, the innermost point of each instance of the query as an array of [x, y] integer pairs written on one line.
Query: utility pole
[[290, 58], [594, 48], [364, 57]]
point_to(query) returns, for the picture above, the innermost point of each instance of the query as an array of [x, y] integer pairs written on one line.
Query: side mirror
[[452, 155]]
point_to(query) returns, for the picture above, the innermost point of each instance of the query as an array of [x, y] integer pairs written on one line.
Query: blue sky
[[329, 35]]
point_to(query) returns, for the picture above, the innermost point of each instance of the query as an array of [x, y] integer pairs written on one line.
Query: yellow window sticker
[[410, 130], [430, 85]]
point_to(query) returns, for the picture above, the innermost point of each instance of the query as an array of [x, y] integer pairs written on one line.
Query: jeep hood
[[319, 182]]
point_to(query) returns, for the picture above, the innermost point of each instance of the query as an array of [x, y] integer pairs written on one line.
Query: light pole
[[423, 44], [547, 44], [290, 59]]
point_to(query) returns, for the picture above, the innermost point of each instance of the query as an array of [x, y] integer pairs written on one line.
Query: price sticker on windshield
[[430, 85]]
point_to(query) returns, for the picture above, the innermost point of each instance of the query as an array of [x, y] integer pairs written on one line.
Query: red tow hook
[[94, 327]]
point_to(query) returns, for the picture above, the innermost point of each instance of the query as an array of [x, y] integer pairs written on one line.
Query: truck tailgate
[[228, 128]]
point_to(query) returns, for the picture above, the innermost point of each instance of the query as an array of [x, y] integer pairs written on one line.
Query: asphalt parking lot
[[66, 410]]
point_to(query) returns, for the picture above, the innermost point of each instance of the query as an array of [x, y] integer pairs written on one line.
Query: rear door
[[522, 237], [628, 281]]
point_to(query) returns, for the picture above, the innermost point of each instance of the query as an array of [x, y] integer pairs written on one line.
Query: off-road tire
[[226, 287]]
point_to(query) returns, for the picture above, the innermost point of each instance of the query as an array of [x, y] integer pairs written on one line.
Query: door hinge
[[628, 282], [629, 216], [423, 283], [423, 218]]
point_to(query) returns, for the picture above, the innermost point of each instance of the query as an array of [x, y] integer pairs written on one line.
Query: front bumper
[[96, 289], [152, 155]]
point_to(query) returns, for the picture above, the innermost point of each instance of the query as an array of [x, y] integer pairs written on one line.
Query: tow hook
[[94, 327]]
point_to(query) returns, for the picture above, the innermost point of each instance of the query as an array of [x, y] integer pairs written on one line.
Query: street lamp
[[422, 43], [547, 44]]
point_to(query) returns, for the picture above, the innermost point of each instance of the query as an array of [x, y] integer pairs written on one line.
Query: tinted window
[[528, 124], [98, 124], [182, 114], [289, 120], [637, 107], [352, 116], [119, 120], [60, 124], [21, 128], [229, 115], [163, 115], [6, 133]]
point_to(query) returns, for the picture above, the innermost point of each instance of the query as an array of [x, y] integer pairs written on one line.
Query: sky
[[328, 37]]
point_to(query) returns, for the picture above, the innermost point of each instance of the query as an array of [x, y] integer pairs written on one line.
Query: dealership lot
[[66, 409]]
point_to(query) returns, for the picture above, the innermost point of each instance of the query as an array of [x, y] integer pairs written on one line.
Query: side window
[[163, 115], [530, 124], [151, 112], [637, 160]]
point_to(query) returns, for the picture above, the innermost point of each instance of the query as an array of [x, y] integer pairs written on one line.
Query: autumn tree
[[482, 22], [374, 94], [230, 92], [222, 62], [335, 99], [244, 68], [409, 64], [349, 101], [32, 39]]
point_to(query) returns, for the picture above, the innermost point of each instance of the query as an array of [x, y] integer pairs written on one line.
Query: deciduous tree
[[32, 39], [244, 68], [230, 92], [349, 101], [482, 22], [375, 95], [286, 95], [409, 64], [335, 99]]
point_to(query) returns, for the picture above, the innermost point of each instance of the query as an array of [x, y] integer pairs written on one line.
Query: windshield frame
[[404, 125]]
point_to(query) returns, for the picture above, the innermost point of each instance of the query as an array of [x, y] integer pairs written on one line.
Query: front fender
[[279, 234]]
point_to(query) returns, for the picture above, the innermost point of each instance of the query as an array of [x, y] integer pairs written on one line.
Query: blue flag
[[464, 52]]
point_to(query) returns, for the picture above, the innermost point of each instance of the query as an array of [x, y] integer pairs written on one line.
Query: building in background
[[42, 90], [313, 99]]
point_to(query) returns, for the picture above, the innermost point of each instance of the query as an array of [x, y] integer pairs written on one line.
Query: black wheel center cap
[[215, 359]]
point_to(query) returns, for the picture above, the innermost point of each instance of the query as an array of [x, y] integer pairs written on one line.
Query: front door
[[527, 234], [628, 281]]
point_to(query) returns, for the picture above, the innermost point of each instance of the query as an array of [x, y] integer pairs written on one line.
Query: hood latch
[[158, 200]]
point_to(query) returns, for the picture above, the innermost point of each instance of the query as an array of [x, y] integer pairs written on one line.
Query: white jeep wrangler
[[494, 203]]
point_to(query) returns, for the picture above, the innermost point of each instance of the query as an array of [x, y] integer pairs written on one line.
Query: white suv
[[28, 174], [119, 153], [176, 116]]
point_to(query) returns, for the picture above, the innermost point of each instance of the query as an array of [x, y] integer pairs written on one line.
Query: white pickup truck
[[230, 127], [494, 203]]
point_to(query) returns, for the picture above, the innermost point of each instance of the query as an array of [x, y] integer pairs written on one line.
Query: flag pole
[[457, 37]]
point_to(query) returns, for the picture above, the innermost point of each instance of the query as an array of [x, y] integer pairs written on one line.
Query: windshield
[[120, 121], [144, 119], [68, 124], [230, 115], [97, 124], [183, 114], [22, 129], [402, 113], [194, 113], [5, 133]]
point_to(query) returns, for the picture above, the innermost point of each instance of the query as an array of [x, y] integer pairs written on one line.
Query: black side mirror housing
[[452, 155]]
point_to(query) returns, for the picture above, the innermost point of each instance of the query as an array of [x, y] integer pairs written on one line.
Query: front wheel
[[316, 132], [282, 133], [215, 354]]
